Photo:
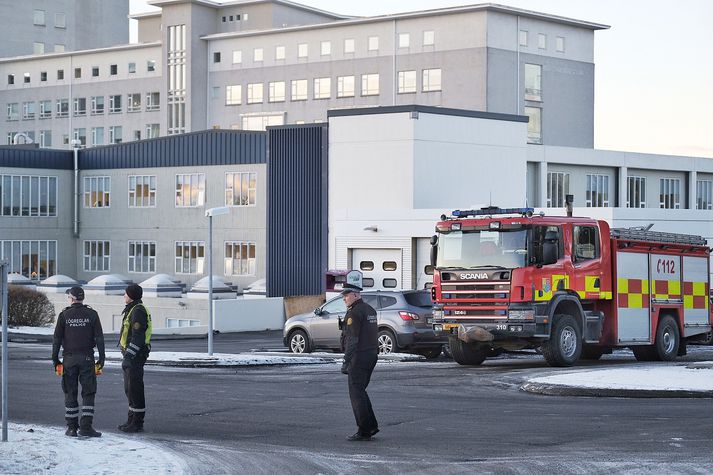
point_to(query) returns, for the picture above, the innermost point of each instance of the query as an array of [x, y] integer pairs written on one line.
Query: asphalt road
[[435, 417]]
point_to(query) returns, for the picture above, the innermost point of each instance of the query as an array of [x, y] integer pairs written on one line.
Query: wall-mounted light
[[373, 227]]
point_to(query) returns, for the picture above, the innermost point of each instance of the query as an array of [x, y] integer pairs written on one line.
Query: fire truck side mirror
[[434, 250]]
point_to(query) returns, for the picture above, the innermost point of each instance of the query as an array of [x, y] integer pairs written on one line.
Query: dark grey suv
[[403, 317]]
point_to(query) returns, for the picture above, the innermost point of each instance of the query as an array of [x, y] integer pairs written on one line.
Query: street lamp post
[[5, 316], [210, 213]]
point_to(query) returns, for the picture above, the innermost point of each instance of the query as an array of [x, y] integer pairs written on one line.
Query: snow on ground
[[32, 330], [639, 377], [42, 449], [222, 359]]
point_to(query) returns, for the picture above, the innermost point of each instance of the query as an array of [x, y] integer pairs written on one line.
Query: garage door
[[381, 268]]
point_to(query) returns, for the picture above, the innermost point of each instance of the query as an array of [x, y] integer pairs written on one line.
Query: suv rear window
[[419, 299]]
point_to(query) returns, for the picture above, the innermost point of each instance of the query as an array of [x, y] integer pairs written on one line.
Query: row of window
[[322, 87], [98, 135], [23, 195], [524, 39], [240, 190], [238, 257], [33, 259], [597, 191], [39, 18], [325, 48], [97, 106], [113, 68]]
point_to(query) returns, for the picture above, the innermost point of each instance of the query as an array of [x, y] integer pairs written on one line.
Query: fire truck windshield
[[472, 249]]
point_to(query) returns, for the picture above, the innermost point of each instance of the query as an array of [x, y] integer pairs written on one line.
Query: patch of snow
[[222, 359], [32, 330], [42, 449]]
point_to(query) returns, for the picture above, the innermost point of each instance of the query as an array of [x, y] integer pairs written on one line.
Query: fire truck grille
[[484, 293]]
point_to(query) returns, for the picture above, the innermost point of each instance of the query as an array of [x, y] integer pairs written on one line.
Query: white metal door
[[695, 291], [633, 297], [381, 268]]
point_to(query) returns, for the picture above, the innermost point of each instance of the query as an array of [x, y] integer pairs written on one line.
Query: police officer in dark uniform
[[135, 345], [360, 332], [78, 331]]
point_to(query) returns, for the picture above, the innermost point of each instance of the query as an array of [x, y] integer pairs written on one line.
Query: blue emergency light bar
[[492, 210]]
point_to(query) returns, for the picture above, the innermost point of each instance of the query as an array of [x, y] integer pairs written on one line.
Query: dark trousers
[[79, 369], [360, 369], [134, 384]]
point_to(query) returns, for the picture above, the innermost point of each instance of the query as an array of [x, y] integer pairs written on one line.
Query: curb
[[561, 390]]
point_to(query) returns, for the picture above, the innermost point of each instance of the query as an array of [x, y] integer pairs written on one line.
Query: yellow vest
[[125, 327]]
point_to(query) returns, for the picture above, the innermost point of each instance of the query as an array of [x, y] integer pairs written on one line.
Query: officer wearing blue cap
[[360, 354], [78, 331]]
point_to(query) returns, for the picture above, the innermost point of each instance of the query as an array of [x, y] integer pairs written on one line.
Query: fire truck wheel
[[667, 339], [299, 343], [565, 343], [467, 353]]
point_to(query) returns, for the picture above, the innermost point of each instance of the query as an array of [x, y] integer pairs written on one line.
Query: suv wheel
[[387, 342], [299, 343]]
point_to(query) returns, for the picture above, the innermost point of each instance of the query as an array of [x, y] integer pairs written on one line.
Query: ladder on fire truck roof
[[641, 234]]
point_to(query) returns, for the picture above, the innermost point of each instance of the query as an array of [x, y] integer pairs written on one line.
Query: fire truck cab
[[571, 286]]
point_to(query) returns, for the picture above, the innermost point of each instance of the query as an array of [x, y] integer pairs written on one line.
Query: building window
[[182, 322], [302, 50], [97, 190], [373, 43], [670, 193], [28, 110], [153, 101], [80, 106], [407, 82], [233, 95], [542, 41], [237, 57], [97, 135], [60, 75], [345, 86], [176, 93], [239, 258], [636, 195], [116, 134], [22, 195], [523, 37], [216, 57], [115, 104], [38, 48], [431, 80], [45, 109], [45, 138], [557, 189], [597, 191], [36, 260], [325, 48], [113, 70], [60, 20], [349, 46], [704, 194], [97, 256], [62, 107], [11, 79], [77, 73], [404, 40], [133, 102], [190, 257], [97, 104], [322, 88], [560, 44], [142, 256], [369, 84], [152, 131], [299, 90], [39, 18], [261, 121], [151, 65], [258, 55], [59, 48], [190, 190], [13, 111], [429, 38], [80, 134], [279, 52], [43, 76], [240, 189], [255, 93], [276, 91], [534, 125], [533, 82], [26, 78], [142, 191], [132, 68]]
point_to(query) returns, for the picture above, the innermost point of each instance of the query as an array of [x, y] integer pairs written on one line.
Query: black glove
[[126, 363], [100, 362], [345, 368]]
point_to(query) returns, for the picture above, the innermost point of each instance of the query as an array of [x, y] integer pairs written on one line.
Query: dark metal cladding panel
[[25, 157], [206, 148], [297, 210]]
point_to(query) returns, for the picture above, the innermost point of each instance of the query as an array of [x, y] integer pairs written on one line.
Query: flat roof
[[218, 5], [426, 110], [34, 57]]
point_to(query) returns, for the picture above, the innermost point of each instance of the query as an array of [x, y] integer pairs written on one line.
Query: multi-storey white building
[[247, 65]]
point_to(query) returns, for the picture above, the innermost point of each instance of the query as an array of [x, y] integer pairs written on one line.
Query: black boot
[[136, 425], [86, 429], [72, 425], [129, 419]]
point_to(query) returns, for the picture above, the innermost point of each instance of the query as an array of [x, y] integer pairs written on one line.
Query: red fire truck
[[508, 279]]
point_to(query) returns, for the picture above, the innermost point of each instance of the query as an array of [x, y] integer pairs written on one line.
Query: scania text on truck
[[508, 279]]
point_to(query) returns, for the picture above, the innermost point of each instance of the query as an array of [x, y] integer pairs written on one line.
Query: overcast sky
[[654, 66]]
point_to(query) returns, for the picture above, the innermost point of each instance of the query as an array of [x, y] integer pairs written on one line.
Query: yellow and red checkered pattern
[[695, 295], [666, 289], [632, 293]]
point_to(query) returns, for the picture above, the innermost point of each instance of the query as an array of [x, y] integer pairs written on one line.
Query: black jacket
[[78, 331], [360, 330], [134, 326]]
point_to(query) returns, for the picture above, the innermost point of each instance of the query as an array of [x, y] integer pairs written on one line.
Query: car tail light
[[408, 316]]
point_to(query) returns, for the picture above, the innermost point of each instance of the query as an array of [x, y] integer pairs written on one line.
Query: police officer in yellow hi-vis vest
[[135, 346]]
